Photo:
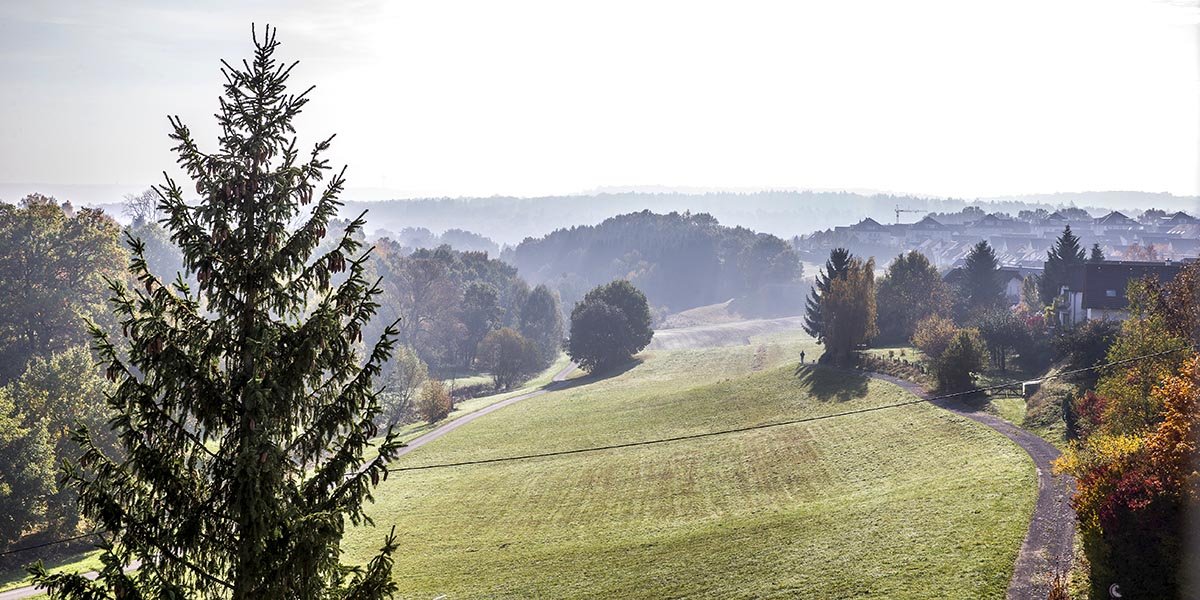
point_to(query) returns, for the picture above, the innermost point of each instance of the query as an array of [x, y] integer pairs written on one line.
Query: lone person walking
[[801, 357]]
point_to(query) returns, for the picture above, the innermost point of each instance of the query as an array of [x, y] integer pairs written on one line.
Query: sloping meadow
[[902, 502]]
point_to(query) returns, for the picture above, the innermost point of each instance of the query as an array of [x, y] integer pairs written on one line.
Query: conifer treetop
[[245, 408]]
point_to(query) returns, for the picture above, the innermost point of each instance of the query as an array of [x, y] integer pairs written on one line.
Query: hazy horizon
[[471, 99], [89, 194]]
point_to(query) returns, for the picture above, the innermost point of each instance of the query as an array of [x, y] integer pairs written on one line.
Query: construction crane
[[904, 210]]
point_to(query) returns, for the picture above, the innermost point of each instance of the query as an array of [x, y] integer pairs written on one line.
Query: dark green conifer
[[244, 409], [837, 266], [1067, 251], [981, 288]]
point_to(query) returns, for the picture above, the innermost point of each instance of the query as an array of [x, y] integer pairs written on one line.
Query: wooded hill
[[679, 260]]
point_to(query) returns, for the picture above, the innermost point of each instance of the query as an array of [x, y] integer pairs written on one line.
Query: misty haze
[[616, 300]]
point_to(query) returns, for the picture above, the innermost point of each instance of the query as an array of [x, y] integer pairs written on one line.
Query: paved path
[[735, 333], [556, 382], [1048, 543], [30, 591]]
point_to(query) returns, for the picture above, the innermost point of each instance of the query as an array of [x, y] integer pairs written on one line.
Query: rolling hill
[[905, 502]]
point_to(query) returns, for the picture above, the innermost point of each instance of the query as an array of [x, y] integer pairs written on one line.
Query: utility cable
[[721, 432], [705, 434]]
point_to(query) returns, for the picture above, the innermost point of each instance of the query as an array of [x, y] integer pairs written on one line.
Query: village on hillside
[[1020, 241], [1123, 249]]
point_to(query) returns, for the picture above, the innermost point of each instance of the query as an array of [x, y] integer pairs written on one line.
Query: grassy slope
[[909, 502], [88, 561]]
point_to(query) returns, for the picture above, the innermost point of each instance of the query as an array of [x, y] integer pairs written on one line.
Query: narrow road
[[735, 333], [555, 383], [31, 591], [1048, 543]]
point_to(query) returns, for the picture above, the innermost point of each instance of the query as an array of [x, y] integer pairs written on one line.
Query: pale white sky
[[948, 97]]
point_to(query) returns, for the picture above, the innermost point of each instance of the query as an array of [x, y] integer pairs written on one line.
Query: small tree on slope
[[609, 326], [244, 420]]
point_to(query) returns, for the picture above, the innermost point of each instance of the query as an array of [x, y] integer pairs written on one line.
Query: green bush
[[964, 357]]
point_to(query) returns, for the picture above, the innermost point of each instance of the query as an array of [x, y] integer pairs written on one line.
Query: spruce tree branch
[[323, 426]]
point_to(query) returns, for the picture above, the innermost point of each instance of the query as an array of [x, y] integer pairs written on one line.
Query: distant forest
[[679, 260], [509, 220]]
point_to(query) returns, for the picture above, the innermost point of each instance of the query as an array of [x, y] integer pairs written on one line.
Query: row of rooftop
[[1020, 242]]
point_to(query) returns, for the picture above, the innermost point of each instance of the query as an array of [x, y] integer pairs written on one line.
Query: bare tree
[[141, 207]]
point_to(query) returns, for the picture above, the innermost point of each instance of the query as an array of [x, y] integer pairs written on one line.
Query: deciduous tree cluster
[[1138, 443]]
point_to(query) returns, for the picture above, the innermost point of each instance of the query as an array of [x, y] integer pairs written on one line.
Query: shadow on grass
[[976, 402], [831, 383], [591, 378]]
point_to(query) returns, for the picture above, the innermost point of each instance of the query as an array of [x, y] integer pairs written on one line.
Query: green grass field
[[907, 502]]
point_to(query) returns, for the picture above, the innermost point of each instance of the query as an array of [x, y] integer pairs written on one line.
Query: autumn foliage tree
[[52, 270], [434, 402], [509, 357], [933, 334], [244, 410], [848, 310], [1135, 460]]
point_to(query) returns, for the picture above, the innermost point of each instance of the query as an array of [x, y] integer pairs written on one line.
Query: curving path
[[1048, 545], [555, 383]]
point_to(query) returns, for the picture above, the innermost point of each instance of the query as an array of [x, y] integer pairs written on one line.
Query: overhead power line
[[47, 544], [484, 461]]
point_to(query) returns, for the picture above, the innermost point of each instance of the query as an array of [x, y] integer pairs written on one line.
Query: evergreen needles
[[244, 408]]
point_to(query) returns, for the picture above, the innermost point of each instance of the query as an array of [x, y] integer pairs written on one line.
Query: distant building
[[1114, 221], [1012, 278], [1096, 291], [1180, 218], [946, 239]]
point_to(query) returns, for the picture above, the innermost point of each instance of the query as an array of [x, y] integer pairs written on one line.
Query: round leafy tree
[[610, 325], [509, 357]]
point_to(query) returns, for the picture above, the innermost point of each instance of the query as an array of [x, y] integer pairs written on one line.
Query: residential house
[[1096, 291]]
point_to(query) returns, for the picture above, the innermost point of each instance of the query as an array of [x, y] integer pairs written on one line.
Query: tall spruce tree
[[836, 267], [244, 409], [1067, 251], [980, 284], [1097, 255]]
